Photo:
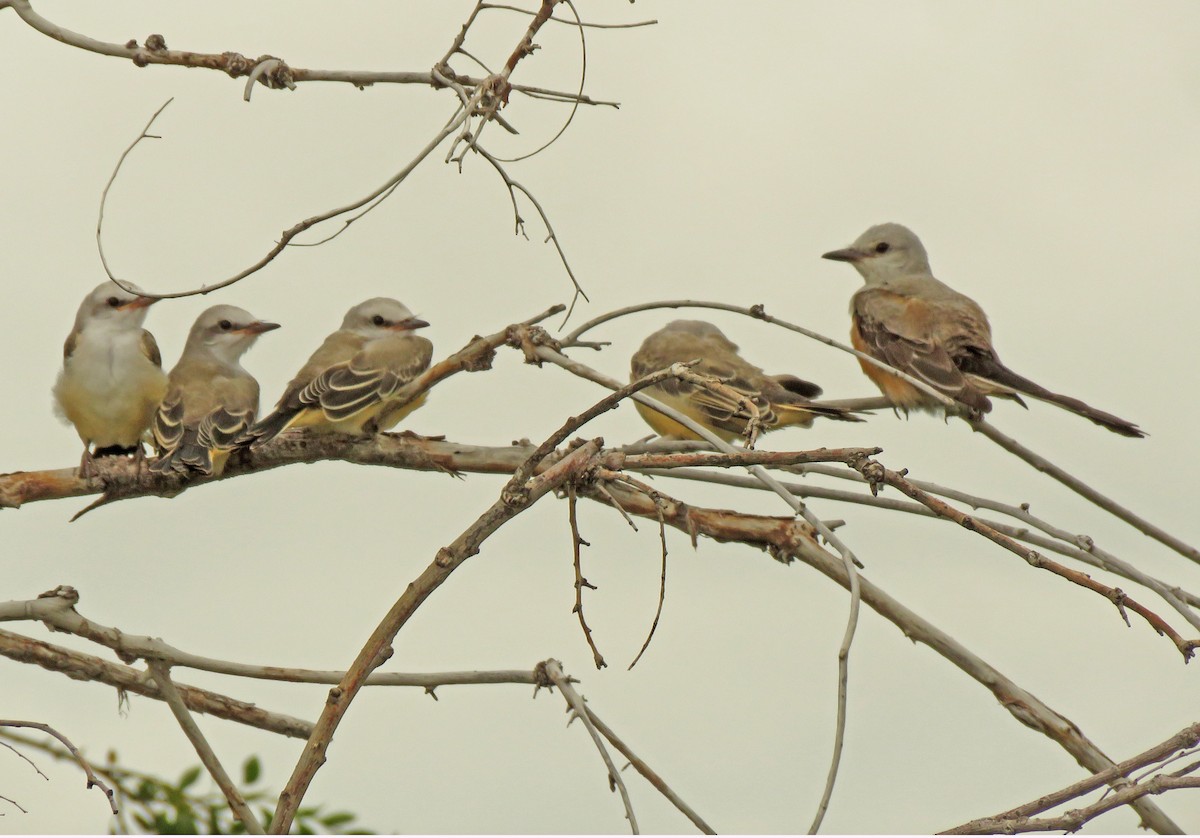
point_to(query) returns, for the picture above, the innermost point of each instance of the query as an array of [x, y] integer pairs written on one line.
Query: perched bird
[[908, 319], [348, 384], [782, 400], [112, 378], [211, 401]]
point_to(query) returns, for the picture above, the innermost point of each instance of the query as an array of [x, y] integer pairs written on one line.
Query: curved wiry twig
[[286, 237], [92, 779]]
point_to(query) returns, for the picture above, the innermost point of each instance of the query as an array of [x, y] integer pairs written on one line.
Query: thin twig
[[208, 757], [579, 708], [876, 474], [577, 542], [551, 236], [145, 135], [646, 771], [92, 779], [1079, 487], [758, 312], [235, 65], [575, 22], [1072, 820], [575, 106], [27, 759], [1184, 739], [286, 237], [1061, 541], [662, 584]]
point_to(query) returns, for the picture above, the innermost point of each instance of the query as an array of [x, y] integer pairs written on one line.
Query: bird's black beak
[[847, 254], [258, 327]]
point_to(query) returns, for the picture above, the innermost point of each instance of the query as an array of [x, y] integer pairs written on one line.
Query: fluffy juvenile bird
[[908, 319], [112, 378], [211, 400], [782, 400], [348, 384]]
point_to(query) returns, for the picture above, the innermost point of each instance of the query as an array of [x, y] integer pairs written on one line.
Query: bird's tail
[[188, 455], [802, 392], [786, 409], [1000, 374], [267, 428]]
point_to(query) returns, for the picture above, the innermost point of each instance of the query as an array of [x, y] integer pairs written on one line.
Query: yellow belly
[[666, 426]]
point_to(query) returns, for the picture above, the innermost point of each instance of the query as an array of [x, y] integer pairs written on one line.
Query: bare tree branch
[[1014, 819], [174, 700], [236, 65], [876, 474], [516, 497], [82, 667], [1079, 487]]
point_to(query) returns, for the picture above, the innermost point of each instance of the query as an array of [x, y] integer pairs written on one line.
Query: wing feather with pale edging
[[893, 329]]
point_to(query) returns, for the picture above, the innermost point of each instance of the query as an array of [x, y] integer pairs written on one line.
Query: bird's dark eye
[[378, 320], [882, 247], [225, 325], [113, 301]]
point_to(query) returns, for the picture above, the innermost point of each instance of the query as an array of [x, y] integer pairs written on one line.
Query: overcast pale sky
[[1045, 153]]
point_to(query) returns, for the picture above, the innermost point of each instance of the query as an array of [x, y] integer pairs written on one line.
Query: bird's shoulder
[[402, 355]]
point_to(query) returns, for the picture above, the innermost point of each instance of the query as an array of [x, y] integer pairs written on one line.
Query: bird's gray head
[[111, 305], [699, 328], [226, 332], [886, 251], [381, 317]]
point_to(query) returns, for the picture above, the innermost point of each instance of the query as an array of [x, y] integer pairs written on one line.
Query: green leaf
[[190, 776], [251, 770], [337, 819]]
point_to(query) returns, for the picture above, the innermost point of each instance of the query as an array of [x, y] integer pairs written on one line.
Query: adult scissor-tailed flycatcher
[[908, 319], [782, 400], [348, 384], [211, 401], [112, 378]]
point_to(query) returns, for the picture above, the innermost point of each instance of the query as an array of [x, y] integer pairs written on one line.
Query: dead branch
[[516, 497], [82, 667], [577, 543], [877, 474], [788, 538], [578, 707], [1079, 487], [280, 76], [1017, 819], [208, 757]]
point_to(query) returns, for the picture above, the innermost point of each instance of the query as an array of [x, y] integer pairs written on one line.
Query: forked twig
[[580, 710]]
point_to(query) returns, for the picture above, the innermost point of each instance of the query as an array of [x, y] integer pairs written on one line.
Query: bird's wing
[[69, 344], [371, 376], [149, 348], [914, 336], [168, 421]]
